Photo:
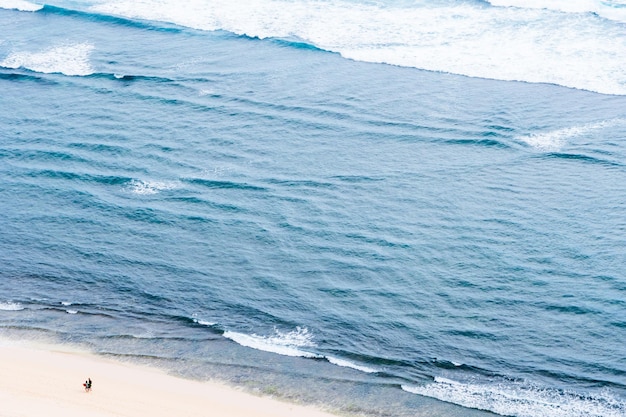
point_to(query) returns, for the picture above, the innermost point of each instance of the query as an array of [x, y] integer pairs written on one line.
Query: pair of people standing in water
[[87, 385]]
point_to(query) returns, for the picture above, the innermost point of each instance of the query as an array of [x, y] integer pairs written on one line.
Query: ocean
[[389, 208]]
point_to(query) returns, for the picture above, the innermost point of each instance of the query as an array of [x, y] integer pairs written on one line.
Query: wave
[[477, 39], [297, 343], [142, 187], [26, 6], [555, 140], [348, 364], [13, 76], [204, 322], [11, 306], [510, 398], [21, 5], [608, 9], [49, 9], [69, 59], [287, 344], [498, 39]]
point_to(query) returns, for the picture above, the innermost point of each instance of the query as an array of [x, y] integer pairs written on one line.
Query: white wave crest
[[609, 9], [348, 364], [504, 43], [71, 59], [11, 306], [515, 399], [20, 5], [288, 344], [151, 187], [204, 322], [291, 344], [554, 140]]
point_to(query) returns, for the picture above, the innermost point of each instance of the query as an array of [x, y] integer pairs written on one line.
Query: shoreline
[[46, 379]]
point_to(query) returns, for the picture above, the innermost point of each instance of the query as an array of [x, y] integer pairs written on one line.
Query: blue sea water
[[397, 208]]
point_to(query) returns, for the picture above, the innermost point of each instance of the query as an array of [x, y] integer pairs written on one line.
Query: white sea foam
[[609, 9], [204, 322], [68, 59], [348, 364], [516, 399], [66, 303], [71, 311], [20, 5], [11, 306], [555, 140], [293, 343], [205, 92], [505, 43], [288, 344], [146, 187]]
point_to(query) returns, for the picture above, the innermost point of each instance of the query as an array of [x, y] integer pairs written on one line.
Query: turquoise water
[[253, 195]]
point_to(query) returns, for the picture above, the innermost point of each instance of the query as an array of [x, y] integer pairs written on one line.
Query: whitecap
[[11, 306], [609, 9], [520, 400], [552, 140], [348, 364], [503, 43], [21, 5], [71, 311], [204, 322], [555, 140], [146, 187], [294, 343], [287, 344], [68, 59]]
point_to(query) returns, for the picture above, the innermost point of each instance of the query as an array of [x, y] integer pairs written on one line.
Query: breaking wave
[[68, 59], [20, 5], [520, 400], [503, 43]]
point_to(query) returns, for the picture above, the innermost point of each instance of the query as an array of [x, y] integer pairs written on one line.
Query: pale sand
[[44, 380]]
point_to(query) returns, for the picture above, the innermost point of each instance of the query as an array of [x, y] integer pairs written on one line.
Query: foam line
[[609, 9], [555, 140], [68, 59], [11, 306], [348, 364], [21, 5], [504, 43], [520, 400], [283, 344]]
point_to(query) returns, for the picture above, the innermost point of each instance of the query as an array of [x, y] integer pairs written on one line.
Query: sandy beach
[[46, 380]]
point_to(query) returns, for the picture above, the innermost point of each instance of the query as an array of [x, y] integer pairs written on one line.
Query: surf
[[20, 5], [520, 399], [608, 9], [66, 58], [571, 44], [485, 40]]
